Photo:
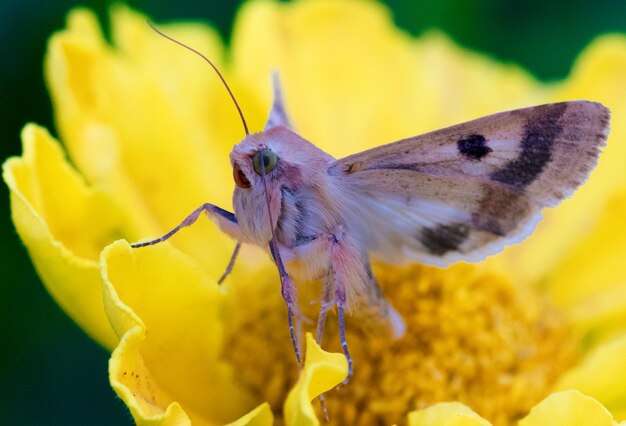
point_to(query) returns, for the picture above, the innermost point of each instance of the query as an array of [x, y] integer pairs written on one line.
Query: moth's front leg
[[289, 292], [224, 219]]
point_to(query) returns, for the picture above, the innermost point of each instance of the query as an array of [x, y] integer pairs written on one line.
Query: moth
[[460, 193]]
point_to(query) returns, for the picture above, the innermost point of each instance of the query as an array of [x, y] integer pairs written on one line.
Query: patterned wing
[[464, 192]]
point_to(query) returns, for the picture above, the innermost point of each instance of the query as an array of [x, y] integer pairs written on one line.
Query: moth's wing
[[464, 192], [278, 114]]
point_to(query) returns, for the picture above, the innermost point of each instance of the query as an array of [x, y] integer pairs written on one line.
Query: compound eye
[[240, 178], [269, 161]]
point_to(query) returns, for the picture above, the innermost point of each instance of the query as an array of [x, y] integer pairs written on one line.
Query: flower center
[[471, 337]]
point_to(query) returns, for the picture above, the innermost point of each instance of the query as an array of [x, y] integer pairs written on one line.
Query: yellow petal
[[131, 124], [569, 408], [589, 284], [322, 371], [156, 137], [327, 79], [601, 375], [260, 416], [133, 383], [598, 75], [446, 414], [168, 316], [353, 81], [64, 225]]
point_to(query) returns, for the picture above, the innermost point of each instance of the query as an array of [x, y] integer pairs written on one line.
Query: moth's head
[[287, 158], [252, 157], [261, 167]]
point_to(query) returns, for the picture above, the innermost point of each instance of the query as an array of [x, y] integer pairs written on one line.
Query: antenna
[[243, 120]]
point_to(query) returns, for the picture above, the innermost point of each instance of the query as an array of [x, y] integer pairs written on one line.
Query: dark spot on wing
[[501, 210], [473, 147], [444, 238], [488, 224], [540, 132], [391, 166]]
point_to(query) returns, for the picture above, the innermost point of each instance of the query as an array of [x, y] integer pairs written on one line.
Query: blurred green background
[[50, 372]]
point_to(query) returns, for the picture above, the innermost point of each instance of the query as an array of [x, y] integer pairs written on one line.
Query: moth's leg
[[289, 292], [226, 221], [345, 260], [377, 315], [346, 268], [341, 303], [231, 263], [326, 303], [312, 247]]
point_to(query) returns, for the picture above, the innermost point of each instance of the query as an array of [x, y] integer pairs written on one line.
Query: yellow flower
[[148, 128]]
